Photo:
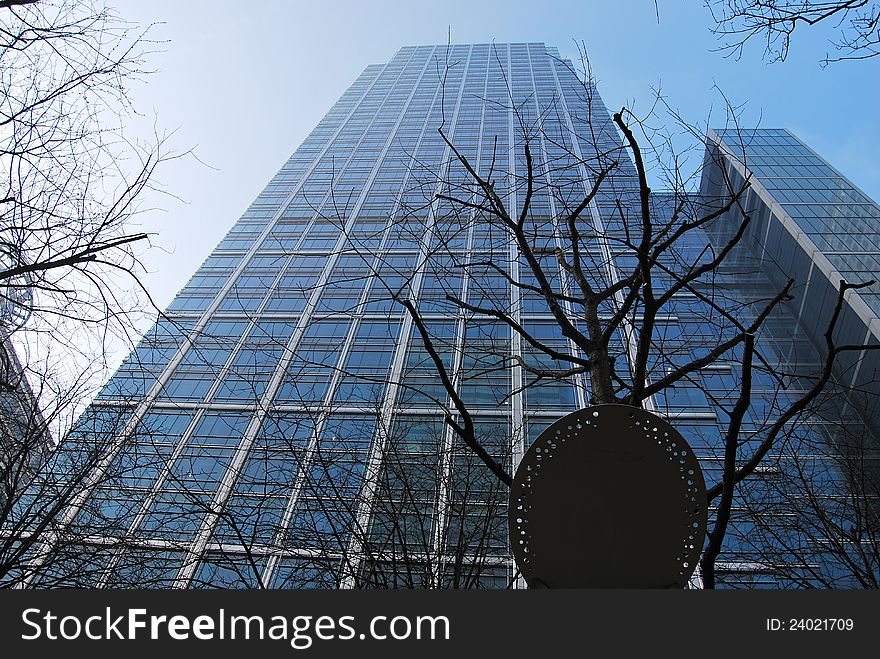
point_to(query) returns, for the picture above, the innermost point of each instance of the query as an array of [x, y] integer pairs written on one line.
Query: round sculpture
[[609, 496]]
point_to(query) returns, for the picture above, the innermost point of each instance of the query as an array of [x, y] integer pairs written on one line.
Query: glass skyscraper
[[285, 425], [814, 225]]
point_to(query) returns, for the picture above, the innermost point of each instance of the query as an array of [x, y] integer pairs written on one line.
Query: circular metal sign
[[609, 496]]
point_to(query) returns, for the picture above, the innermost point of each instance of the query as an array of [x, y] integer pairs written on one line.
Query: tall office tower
[[292, 423], [809, 223], [814, 225]]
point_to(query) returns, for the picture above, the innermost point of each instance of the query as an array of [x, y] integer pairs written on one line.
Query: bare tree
[[71, 182], [856, 23], [69, 267], [497, 241], [71, 178]]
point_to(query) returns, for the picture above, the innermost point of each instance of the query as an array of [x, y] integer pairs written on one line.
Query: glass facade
[[285, 426], [836, 216], [814, 225]]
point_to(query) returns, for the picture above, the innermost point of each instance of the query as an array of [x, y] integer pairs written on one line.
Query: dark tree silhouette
[[609, 287], [70, 184], [773, 22]]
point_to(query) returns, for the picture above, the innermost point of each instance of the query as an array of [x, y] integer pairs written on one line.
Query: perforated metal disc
[[609, 496]]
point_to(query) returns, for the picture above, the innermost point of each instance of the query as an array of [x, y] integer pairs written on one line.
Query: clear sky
[[244, 83]]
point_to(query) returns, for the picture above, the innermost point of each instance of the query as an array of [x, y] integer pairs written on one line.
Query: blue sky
[[244, 83]]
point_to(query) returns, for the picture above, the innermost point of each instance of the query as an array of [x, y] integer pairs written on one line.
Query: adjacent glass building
[[811, 224], [285, 425], [25, 440]]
